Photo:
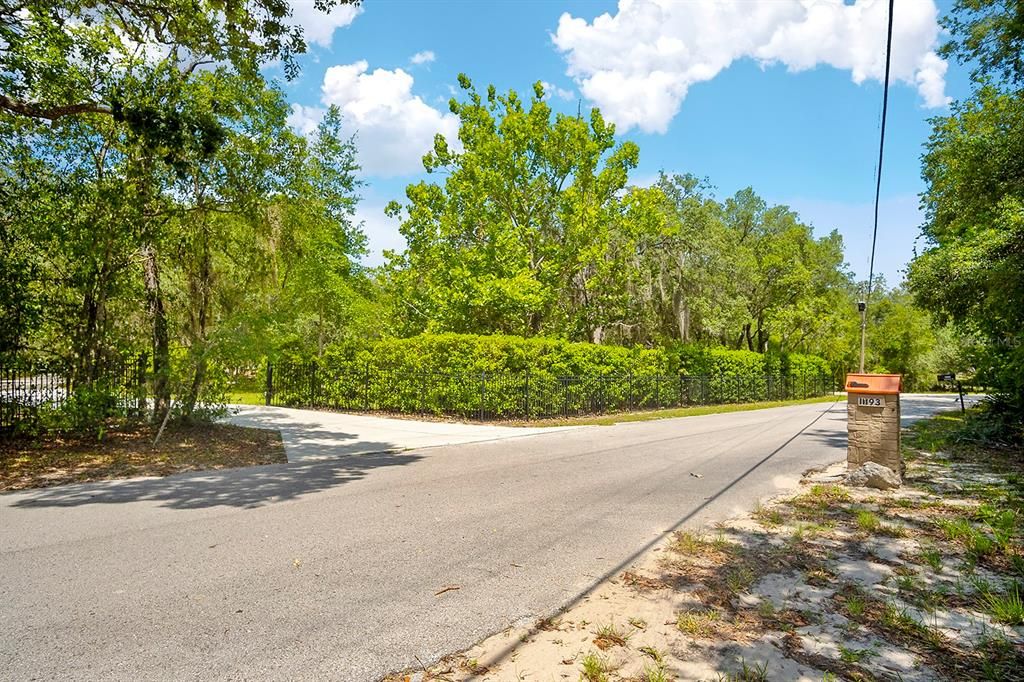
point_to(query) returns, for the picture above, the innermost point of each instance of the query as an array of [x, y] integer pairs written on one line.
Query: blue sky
[[772, 95]]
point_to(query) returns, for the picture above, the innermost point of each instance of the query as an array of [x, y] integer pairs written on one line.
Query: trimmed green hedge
[[705, 360], [508, 376], [457, 353], [800, 365]]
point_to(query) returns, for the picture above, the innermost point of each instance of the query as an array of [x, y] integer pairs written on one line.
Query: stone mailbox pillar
[[873, 421]]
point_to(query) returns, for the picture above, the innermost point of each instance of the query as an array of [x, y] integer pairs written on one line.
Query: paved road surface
[[309, 435], [329, 569]]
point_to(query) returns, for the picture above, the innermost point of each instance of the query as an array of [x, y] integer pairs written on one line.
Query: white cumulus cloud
[[552, 90], [638, 64], [318, 27], [394, 127], [305, 119], [424, 57], [382, 233]]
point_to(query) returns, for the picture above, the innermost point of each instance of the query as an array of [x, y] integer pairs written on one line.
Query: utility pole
[[863, 305]]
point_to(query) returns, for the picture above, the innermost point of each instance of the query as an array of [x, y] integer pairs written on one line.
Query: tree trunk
[[745, 336], [161, 338], [87, 365], [89, 345], [202, 285], [682, 313], [198, 377], [534, 323]]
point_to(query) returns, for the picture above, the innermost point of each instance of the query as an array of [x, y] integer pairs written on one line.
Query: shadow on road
[[808, 429], [831, 440], [305, 439], [310, 434], [248, 487]]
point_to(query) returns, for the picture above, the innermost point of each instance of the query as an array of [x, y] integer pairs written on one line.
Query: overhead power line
[[878, 188]]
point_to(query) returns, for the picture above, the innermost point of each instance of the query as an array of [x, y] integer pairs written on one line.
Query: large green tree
[[514, 239], [972, 269], [684, 287], [59, 55], [146, 162], [990, 35]]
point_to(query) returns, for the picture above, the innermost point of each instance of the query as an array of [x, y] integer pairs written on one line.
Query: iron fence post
[[269, 382], [312, 384], [419, 392], [565, 396], [483, 392], [526, 395], [366, 387], [140, 384]]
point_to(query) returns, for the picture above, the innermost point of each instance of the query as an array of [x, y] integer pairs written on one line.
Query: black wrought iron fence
[[533, 394], [34, 393], [43, 394]]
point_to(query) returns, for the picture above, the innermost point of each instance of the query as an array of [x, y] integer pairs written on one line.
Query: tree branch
[[187, 69], [33, 110]]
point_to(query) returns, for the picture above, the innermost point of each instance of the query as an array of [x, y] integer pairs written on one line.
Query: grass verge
[[247, 398], [128, 452], [258, 398], [695, 411]]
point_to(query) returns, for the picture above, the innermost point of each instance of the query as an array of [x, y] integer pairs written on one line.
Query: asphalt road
[[330, 569], [309, 435]]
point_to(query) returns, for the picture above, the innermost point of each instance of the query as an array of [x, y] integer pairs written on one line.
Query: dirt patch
[[129, 452]]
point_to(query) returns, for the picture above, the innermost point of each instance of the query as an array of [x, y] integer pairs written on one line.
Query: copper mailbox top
[[886, 384]]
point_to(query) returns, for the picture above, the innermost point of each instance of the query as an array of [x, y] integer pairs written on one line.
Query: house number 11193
[[869, 401]]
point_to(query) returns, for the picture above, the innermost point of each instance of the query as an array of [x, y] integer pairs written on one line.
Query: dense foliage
[[536, 231], [130, 60], [972, 271], [990, 35], [153, 200], [512, 376]]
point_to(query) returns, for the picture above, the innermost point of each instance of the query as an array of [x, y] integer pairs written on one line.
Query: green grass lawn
[[257, 398], [247, 398], [695, 411]]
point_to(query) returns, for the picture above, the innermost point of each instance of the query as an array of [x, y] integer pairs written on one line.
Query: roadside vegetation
[[919, 583], [970, 273], [163, 209], [696, 411]]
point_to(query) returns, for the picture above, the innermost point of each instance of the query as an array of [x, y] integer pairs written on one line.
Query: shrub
[[505, 376], [85, 409], [468, 353]]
